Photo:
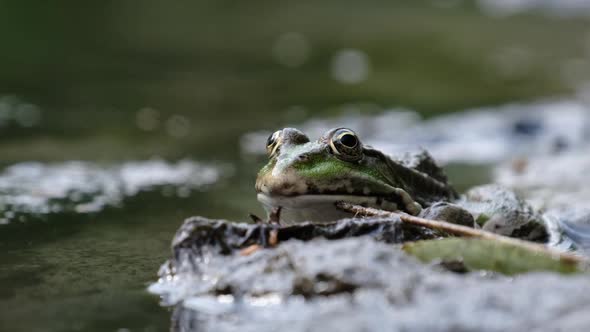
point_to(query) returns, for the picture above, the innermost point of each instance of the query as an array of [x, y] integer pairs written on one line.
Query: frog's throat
[[327, 201]]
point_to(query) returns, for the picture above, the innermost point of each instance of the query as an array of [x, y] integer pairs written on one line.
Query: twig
[[461, 231]]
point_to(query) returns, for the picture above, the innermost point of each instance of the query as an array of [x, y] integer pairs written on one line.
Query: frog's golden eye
[[348, 140], [273, 142], [346, 145]]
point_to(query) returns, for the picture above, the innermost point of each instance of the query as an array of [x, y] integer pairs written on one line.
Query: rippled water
[[118, 121]]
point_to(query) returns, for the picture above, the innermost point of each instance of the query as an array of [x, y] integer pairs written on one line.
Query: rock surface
[[325, 280], [559, 186]]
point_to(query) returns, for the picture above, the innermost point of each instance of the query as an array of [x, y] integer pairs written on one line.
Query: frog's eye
[[273, 142], [346, 145]]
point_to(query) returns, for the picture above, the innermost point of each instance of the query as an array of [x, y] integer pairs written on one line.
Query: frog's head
[[306, 178]]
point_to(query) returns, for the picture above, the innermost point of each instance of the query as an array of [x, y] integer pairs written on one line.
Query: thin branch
[[461, 231]]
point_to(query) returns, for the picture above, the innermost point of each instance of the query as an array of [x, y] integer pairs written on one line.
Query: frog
[[305, 180]]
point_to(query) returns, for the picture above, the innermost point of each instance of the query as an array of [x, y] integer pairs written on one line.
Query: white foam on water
[[34, 188], [550, 182], [559, 8], [481, 135]]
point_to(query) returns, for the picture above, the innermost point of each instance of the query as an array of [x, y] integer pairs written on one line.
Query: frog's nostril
[[303, 158]]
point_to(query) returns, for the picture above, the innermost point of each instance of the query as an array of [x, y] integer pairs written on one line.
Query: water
[[113, 83]]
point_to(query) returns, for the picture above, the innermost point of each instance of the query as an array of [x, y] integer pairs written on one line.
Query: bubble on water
[[178, 126], [27, 115], [350, 66], [575, 71], [167, 191], [15, 111], [295, 113], [147, 119], [512, 62], [5, 112], [291, 49], [183, 192]]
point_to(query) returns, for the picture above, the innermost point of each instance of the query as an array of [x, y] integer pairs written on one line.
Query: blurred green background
[[92, 66], [110, 81]]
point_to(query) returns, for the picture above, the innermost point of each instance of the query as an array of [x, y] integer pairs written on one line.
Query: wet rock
[[448, 212], [359, 284], [199, 236], [570, 228], [500, 210], [559, 186], [208, 251]]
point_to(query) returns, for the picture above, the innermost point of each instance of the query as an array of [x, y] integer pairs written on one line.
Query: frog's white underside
[[318, 208]]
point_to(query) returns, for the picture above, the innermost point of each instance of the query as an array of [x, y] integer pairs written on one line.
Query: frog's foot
[[265, 235], [448, 212], [274, 217], [322, 208], [256, 219]]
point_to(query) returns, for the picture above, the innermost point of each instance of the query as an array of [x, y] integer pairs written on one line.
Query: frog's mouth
[[322, 207]]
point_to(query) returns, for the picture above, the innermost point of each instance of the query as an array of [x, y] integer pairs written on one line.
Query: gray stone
[[353, 284]]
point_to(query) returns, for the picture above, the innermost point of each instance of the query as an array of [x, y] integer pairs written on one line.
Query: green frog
[[305, 179]]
